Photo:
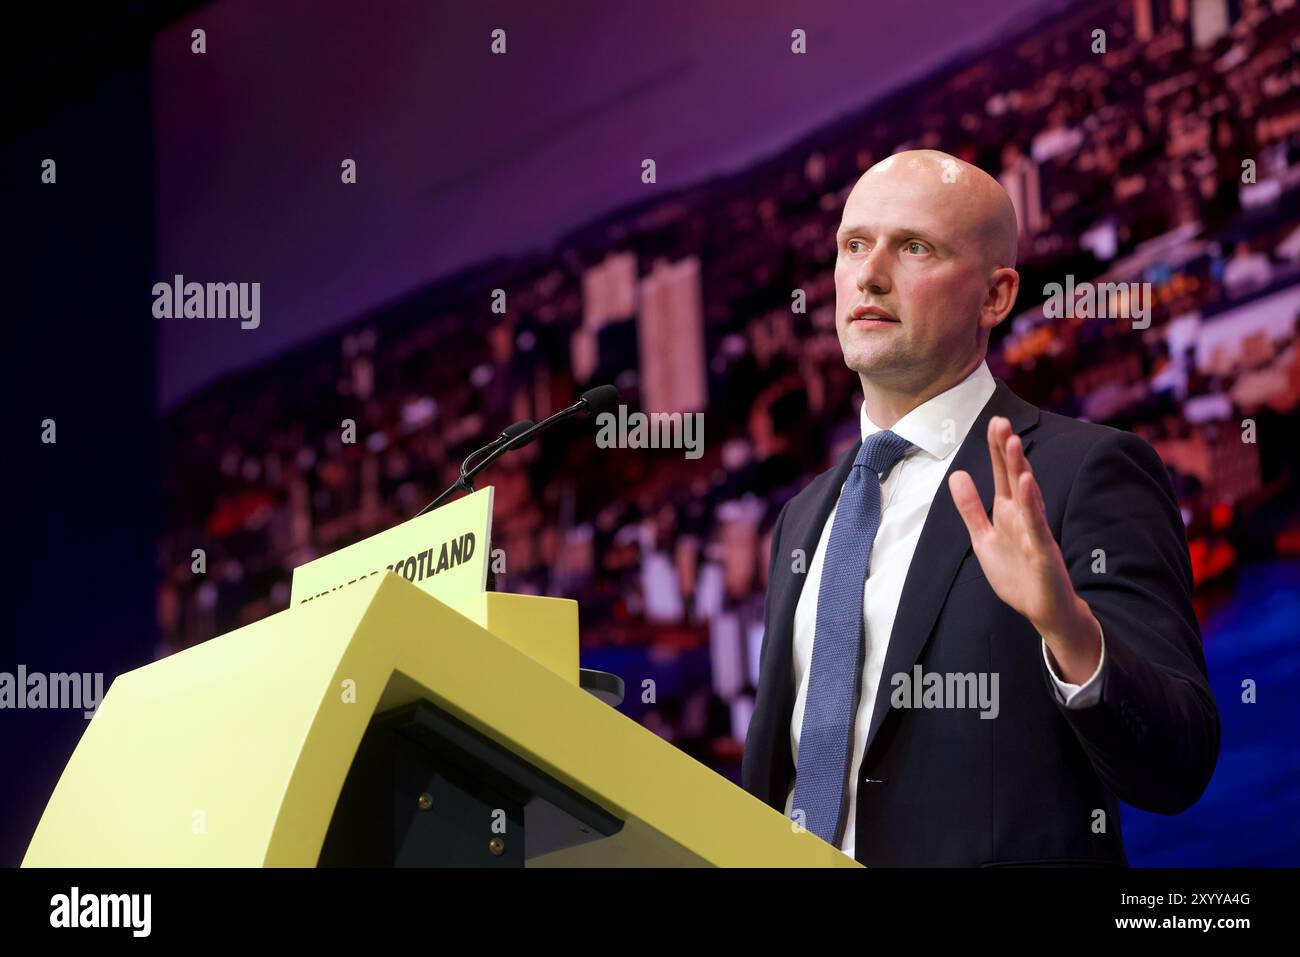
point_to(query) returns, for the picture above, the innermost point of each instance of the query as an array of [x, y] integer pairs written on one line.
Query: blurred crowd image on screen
[[1123, 167]]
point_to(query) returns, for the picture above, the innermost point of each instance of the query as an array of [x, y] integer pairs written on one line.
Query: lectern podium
[[380, 726]]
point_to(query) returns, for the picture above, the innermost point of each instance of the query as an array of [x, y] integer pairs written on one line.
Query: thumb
[[968, 503]]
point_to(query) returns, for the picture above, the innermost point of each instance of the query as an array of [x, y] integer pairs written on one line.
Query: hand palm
[[1016, 551], [1011, 561]]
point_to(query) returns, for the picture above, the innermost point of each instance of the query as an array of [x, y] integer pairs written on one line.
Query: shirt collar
[[939, 425]]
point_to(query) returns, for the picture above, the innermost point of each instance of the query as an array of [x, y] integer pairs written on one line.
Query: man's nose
[[873, 272]]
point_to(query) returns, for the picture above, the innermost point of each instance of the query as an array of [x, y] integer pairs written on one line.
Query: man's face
[[904, 246]]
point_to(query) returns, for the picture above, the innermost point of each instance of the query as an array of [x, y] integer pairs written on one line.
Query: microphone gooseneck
[[592, 402]]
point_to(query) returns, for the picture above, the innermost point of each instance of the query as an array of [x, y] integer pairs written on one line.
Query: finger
[[969, 506], [1001, 488], [1016, 466], [1035, 512]]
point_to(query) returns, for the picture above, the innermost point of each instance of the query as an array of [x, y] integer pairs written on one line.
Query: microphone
[[516, 430], [603, 398], [510, 435], [510, 439]]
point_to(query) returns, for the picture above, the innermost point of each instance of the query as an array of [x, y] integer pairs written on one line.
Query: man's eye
[[853, 243], [920, 246]]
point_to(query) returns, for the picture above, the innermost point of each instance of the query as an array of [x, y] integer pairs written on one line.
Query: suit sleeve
[[1153, 735]]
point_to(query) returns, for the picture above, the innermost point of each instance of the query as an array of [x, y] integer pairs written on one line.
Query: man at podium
[[979, 633]]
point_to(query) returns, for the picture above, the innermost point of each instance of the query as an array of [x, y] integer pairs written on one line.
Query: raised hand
[[1020, 558]]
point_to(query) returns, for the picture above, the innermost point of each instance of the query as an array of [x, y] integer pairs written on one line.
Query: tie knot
[[881, 452]]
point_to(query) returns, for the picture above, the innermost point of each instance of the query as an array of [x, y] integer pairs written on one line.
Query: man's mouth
[[871, 314]]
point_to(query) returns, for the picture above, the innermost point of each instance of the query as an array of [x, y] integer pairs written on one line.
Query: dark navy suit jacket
[[1040, 783]]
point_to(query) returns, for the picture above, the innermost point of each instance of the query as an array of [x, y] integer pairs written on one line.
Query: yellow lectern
[[377, 724]]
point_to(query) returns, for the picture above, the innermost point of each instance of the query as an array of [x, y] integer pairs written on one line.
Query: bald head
[[971, 202], [924, 269]]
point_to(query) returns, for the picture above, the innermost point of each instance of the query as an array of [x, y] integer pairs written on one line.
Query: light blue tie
[[821, 780]]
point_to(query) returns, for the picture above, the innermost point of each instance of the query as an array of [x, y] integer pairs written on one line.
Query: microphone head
[[516, 429], [603, 398]]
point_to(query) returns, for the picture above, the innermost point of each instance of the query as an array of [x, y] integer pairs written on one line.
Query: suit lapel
[[943, 544]]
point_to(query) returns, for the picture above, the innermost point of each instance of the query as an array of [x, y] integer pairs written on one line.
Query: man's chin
[[869, 362]]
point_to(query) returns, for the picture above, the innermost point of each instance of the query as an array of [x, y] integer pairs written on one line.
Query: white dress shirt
[[937, 428]]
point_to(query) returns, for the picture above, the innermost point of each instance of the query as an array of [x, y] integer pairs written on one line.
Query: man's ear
[[1003, 289]]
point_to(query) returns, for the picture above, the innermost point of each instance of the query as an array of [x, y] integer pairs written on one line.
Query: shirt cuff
[[1077, 696]]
